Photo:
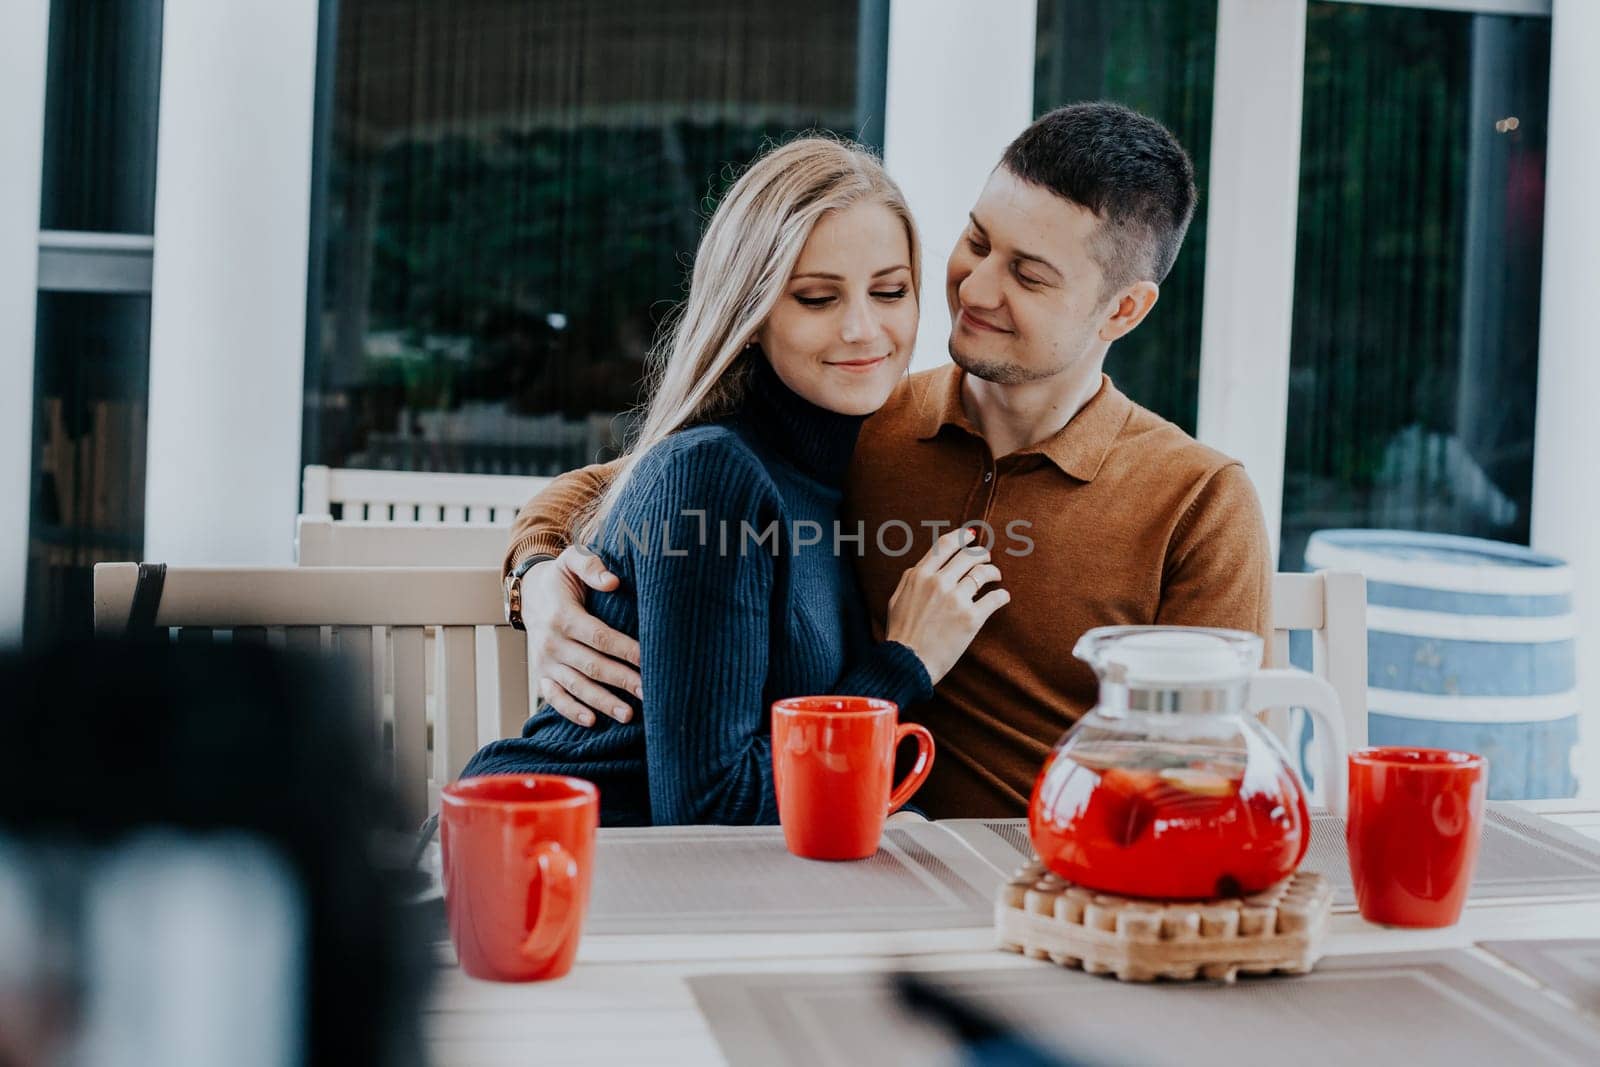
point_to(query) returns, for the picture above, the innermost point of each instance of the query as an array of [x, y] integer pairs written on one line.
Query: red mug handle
[[919, 770], [558, 880]]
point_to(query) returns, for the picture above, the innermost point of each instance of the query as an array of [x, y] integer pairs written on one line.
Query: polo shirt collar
[[1078, 449]]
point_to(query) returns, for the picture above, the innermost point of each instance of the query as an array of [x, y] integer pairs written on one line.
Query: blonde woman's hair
[[744, 261]]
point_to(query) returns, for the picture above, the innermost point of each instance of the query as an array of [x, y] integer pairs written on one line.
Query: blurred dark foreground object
[[190, 832], [986, 1040]]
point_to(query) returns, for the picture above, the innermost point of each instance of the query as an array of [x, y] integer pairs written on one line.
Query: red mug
[[833, 766], [518, 853], [1415, 818]]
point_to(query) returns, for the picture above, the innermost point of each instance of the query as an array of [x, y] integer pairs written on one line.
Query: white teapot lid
[[1163, 657]]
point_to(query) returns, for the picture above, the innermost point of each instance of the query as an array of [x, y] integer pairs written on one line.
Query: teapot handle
[[1287, 688]]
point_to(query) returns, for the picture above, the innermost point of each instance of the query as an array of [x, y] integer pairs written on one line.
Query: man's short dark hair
[[1126, 168]]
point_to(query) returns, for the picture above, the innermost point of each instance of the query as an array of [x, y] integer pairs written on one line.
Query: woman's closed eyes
[[886, 295]]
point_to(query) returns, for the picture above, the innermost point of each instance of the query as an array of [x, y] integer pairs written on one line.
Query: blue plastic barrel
[[1470, 646]]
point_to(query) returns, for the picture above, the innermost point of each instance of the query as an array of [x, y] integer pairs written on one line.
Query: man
[[1102, 512]]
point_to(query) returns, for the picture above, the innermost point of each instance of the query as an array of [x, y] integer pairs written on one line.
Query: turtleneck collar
[[817, 441]]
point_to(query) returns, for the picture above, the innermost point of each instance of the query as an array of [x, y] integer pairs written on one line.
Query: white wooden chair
[[416, 496], [326, 542], [321, 541], [1333, 606], [335, 610]]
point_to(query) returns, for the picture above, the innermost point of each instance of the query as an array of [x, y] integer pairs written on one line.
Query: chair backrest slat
[[1331, 605], [1339, 648], [325, 542], [354, 645], [410, 719], [306, 640], [1278, 654], [249, 635], [225, 597], [511, 697], [455, 729], [1297, 602], [315, 499]]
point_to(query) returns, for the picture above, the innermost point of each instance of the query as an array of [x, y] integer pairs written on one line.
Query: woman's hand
[[936, 610]]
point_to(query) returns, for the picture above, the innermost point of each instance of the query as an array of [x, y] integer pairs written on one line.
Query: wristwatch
[[512, 591]]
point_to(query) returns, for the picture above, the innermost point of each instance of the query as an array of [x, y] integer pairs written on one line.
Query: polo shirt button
[[988, 476]]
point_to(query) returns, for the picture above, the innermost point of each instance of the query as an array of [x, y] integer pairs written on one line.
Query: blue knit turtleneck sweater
[[723, 632]]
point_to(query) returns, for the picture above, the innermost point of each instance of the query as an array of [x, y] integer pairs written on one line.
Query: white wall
[[1566, 479], [960, 87], [1250, 236], [227, 320], [24, 43]]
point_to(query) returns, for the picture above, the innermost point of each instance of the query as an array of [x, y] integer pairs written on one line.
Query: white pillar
[[1566, 481], [1250, 236], [24, 47], [228, 286], [960, 87]]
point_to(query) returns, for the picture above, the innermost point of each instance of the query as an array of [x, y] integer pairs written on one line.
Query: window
[[1416, 310], [1157, 57], [100, 117], [91, 376], [92, 335], [514, 191]]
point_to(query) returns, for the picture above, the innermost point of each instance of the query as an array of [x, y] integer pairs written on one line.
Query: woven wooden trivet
[[1281, 928]]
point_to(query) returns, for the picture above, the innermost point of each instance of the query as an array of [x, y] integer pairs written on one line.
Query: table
[[628, 1000]]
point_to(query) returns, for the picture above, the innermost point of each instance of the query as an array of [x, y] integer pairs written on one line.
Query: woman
[[721, 519]]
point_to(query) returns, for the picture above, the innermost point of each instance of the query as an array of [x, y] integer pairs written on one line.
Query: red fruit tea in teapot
[[1175, 822]]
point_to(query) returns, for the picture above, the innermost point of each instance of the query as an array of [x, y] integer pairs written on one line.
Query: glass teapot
[[1170, 788]]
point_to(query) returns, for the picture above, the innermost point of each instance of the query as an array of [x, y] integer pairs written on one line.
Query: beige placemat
[[1570, 967], [1522, 855], [1418, 1009], [718, 879], [741, 879]]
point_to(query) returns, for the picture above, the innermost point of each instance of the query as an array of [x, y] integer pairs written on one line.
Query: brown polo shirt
[[1120, 517]]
